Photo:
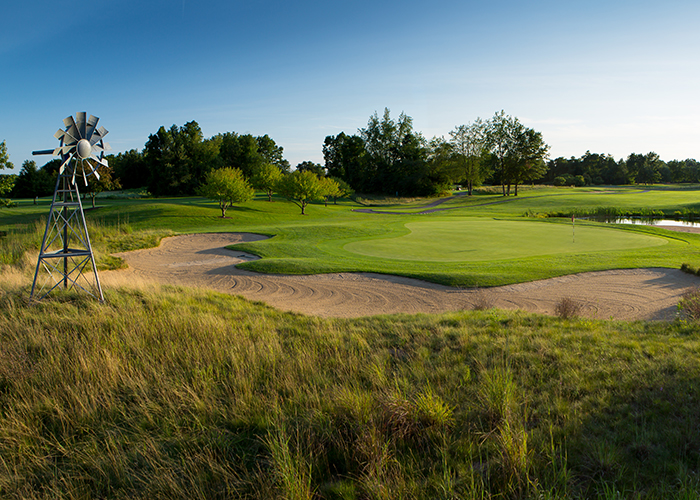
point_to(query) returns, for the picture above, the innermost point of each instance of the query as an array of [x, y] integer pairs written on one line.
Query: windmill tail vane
[[66, 257]]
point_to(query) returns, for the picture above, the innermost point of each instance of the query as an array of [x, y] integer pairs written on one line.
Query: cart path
[[201, 260]]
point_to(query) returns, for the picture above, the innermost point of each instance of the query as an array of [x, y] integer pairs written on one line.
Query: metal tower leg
[[66, 241]]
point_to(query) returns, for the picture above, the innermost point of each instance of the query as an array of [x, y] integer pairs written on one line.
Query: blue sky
[[613, 76]]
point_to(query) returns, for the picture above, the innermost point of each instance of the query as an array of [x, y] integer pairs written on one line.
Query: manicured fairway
[[480, 239]]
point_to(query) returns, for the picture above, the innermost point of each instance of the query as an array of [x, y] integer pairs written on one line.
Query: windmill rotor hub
[[84, 149]]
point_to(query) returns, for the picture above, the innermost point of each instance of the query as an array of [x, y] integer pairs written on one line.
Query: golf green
[[489, 239]]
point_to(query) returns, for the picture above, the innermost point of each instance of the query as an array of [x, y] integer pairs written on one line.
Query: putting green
[[489, 239]]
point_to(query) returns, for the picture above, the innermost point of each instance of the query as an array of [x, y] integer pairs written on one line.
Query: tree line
[[597, 169], [389, 157], [386, 157]]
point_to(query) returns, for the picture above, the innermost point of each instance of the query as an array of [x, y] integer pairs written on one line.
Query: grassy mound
[[175, 393]]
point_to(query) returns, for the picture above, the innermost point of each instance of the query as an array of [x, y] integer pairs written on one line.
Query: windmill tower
[[65, 250]]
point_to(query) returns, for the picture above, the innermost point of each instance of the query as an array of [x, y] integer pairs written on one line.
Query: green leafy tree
[[129, 168], [226, 186], [649, 171], [634, 163], [330, 189], [301, 188], [501, 130], [527, 157], [272, 153], [518, 151], [312, 167], [266, 179], [105, 183], [469, 144], [346, 158], [178, 159], [344, 190], [32, 181], [397, 155], [241, 151], [6, 182]]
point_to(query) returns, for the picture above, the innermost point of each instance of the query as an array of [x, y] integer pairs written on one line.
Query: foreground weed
[[291, 469], [690, 303], [567, 308]]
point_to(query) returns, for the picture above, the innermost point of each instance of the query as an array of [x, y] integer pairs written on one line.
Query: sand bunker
[[201, 260]]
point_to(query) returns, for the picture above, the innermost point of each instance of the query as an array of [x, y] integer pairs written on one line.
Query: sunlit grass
[[178, 393]]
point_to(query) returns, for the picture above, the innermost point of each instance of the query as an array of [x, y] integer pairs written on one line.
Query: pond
[[645, 221]]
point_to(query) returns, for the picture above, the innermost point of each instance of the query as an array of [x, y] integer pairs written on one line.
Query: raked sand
[[201, 260]]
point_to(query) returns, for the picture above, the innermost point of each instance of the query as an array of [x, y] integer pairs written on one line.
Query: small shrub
[[690, 303], [687, 268], [568, 308], [482, 301]]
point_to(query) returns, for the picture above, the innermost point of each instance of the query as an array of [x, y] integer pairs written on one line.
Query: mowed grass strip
[[491, 239]]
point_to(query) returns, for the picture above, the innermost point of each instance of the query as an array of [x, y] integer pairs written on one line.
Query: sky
[[607, 76]]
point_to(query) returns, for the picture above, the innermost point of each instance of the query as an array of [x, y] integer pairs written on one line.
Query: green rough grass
[[175, 393]]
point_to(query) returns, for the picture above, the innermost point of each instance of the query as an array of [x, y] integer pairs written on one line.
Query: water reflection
[[647, 221]]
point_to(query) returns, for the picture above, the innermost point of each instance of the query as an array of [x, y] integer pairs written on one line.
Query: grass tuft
[[568, 308]]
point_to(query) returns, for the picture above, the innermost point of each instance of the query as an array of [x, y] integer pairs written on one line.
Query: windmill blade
[[69, 122], [75, 168], [59, 134], [93, 168], [63, 150], [101, 161], [63, 165], [101, 148], [82, 123], [71, 130], [84, 176], [98, 135], [71, 135], [91, 124]]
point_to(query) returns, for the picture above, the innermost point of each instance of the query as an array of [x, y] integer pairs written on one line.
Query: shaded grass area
[[176, 393]]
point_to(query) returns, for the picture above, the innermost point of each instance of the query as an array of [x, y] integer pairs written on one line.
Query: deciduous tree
[[330, 189], [527, 157], [344, 190], [518, 151], [468, 144], [226, 186], [32, 181], [266, 179], [105, 183], [301, 188], [6, 182], [346, 158]]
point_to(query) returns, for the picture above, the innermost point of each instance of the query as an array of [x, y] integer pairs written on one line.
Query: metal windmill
[[65, 250]]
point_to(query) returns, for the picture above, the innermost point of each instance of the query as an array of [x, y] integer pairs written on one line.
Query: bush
[[568, 308], [687, 268], [559, 181], [483, 301], [690, 303]]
